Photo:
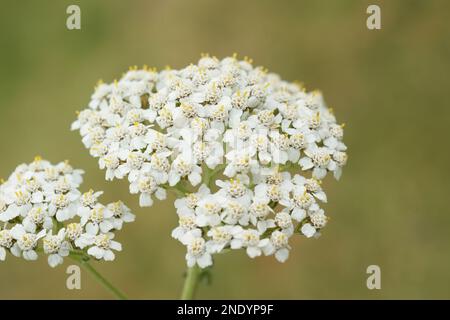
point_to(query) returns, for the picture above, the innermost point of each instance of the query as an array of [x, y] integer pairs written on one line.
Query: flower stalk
[[83, 261], [193, 276]]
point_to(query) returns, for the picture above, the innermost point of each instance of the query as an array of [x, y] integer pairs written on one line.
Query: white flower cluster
[[176, 128], [42, 210]]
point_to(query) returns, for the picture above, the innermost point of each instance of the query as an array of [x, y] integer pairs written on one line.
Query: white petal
[[41, 234], [145, 200], [29, 225], [109, 255], [308, 230], [96, 252], [282, 255], [16, 251], [173, 178], [92, 228], [204, 261], [116, 246], [236, 244], [106, 226], [161, 194], [298, 214], [195, 178], [190, 260], [30, 255], [253, 252], [319, 173], [306, 163], [54, 260], [268, 249], [321, 196], [17, 231], [133, 175]]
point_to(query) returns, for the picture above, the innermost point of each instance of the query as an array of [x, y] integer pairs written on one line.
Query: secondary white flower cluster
[[270, 140], [42, 210]]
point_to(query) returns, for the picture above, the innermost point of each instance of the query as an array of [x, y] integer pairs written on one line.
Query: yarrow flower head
[[270, 141], [43, 211]]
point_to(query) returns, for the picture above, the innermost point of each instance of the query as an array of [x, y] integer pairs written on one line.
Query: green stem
[[180, 187], [191, 283], [88, 267], [194, 274], [208, 175]]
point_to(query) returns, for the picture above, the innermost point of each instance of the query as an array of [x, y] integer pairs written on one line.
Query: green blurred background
[[389, 86]]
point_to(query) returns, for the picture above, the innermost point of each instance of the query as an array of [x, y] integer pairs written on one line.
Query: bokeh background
[[389, 86]]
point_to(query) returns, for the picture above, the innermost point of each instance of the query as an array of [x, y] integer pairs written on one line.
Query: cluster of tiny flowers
[[270, 141], [42, 211]]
